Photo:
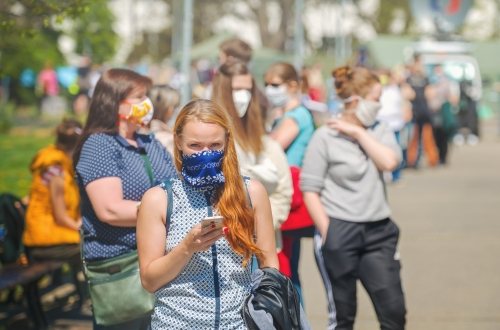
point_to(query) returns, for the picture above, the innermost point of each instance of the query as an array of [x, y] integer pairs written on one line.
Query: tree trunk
[[276, 40]]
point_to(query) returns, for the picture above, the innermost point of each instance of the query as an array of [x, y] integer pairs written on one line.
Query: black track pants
[[365, 251]]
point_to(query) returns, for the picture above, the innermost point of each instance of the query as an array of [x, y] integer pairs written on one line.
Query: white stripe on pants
[[332, 312]]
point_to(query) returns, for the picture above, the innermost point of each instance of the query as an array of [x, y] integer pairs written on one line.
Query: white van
[[456, 60]]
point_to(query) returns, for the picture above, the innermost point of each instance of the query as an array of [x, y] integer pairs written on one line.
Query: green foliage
[[29, 38], [154, 46], [25, 17], [18, 53], [94, 33], [17, 152], [386, 12]]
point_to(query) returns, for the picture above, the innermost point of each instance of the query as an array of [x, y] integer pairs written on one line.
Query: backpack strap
[[254, 262]]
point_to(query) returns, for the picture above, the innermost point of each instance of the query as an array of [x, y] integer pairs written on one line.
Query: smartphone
[[210, 223]]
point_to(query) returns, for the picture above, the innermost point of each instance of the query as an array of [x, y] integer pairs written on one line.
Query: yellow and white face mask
[[140, 113]]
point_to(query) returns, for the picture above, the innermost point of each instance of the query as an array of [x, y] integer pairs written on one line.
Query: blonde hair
[[353, 81], [232, 201], [284, 70], [164, 99]]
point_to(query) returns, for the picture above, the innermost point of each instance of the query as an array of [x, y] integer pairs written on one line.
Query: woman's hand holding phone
[[212, 223], [203, 235]]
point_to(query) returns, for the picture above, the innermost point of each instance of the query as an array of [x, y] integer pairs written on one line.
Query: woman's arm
[[281, 197], [106, 196], [61, 217], [384, 157], [317, 212], [285, 133], [157, 267], [264, 229], [317, 164], [263, 170], [407, 91]]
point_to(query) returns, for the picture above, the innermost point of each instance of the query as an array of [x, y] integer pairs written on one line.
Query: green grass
[[16, 152], [28, 132]]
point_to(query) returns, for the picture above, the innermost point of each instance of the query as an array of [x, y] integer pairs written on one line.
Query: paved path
[[450, 245]]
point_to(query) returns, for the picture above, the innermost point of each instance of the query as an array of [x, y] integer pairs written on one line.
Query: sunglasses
[[274, 85]]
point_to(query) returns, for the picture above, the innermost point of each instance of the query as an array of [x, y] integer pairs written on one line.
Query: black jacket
[[273, 303]]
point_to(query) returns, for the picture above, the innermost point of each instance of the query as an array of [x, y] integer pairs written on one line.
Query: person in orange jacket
[[53, 214]]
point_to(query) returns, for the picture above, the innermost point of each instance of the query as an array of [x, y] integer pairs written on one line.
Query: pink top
[[48, 81]]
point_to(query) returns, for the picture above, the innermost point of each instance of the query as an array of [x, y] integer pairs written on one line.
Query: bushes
[[6, 117]]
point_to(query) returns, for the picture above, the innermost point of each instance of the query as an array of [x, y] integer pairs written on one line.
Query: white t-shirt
[[391, 113]]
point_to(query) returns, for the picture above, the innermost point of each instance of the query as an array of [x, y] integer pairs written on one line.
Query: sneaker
[[472, 139], [459, 140]]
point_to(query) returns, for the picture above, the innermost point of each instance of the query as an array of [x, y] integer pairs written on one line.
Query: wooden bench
[[28, 276]]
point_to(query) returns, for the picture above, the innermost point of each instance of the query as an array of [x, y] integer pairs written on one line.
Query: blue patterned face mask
[[203, 169]]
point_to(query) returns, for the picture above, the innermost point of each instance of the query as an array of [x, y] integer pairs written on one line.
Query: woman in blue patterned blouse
[[201, 276], [115, 165]]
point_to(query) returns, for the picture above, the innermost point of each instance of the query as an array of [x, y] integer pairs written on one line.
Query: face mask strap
[[123, 117], [351, 99]]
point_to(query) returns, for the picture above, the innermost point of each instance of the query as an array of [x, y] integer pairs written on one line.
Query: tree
[[260, 12], [93, 32], [27, 38], [26, 17], [386, 14], [31, 29], [275, 18]]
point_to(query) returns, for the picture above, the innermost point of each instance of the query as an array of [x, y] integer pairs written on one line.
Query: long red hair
[[232, 201]]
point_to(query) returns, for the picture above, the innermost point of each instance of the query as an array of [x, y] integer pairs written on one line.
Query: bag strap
[[148, 167], [167, 184], [249, 200], [82, 258]]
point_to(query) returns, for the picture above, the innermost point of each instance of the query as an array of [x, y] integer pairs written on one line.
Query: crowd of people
[[277, 162]]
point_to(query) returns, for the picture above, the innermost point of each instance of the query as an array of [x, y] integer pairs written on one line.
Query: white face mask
[[277, 96], [367, 111], [241, 99]]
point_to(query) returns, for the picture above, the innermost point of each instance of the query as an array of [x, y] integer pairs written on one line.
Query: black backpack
[[12, 211]]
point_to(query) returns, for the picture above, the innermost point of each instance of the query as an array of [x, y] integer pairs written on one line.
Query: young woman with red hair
[[202, 276]]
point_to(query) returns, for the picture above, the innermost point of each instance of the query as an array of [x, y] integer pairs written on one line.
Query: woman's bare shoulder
[[154, 195], [256, 190]]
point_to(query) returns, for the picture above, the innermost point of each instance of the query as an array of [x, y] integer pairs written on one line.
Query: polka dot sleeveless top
[[210, 291]]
